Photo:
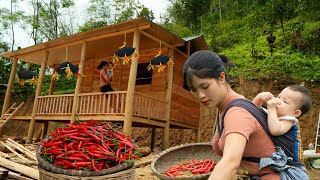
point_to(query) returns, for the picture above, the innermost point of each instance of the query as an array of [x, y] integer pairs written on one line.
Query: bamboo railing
[[102, 103], [55, 104], [149, 107]]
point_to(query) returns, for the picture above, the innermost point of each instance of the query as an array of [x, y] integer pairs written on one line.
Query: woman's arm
[[277, 127], [105, 76], [232, 154]]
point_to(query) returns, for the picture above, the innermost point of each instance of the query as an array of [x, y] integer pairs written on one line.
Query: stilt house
[[141, 98]]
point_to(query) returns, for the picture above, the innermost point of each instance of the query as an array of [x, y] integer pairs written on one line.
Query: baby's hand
[[272, 104], [265, 96]]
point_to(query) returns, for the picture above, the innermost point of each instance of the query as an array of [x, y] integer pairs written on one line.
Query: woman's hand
[[232, 154]]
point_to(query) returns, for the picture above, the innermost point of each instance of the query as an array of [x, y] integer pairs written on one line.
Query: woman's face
[[209, 91], [105, 67]]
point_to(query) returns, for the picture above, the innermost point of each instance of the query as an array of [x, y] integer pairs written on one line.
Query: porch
[[108, 106]]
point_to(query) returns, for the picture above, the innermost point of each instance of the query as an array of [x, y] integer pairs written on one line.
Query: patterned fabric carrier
[[290, 142]]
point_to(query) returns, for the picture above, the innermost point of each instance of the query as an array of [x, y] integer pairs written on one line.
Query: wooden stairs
[[4, 119]]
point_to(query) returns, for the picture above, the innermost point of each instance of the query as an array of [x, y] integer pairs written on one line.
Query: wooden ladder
[[4, 119], [317, 144]]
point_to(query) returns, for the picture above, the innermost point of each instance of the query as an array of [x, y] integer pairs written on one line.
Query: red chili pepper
[[82, 164], [79, 145], [93, 136], [97, 155], [67, 164], [79, 138], [118, 153], [66, 153], [93, 166], [84, 156]]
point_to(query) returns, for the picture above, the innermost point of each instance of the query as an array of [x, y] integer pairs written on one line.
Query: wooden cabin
[[141, 98]]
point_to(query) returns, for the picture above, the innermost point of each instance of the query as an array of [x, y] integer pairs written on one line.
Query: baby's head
[[110, 65], [294, 100]]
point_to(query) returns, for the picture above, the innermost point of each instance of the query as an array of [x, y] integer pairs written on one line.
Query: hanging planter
[[26, 74], [125, 53], [67, 68], [160, 61], [34, 81]]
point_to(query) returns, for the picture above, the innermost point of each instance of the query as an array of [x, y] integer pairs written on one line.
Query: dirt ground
[[142, 136]]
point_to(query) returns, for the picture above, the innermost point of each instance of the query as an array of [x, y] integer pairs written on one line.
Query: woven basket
[[178, 154], [42, 164], [128, 174]]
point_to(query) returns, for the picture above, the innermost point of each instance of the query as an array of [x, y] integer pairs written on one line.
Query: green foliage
[[106, 12], [188, 13], [179, 30], [62, 86], [5, 69]]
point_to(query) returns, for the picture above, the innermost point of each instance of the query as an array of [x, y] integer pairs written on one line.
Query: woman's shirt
[[103, 81], [238, 120]]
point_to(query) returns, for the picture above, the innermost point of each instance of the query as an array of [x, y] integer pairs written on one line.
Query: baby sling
[[285, 141]]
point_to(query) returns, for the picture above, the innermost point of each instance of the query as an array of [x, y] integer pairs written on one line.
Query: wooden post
[[45, 129], [10, 86], [52, 83], [120, 78], [188, 48], [79, 81], [38, 93], [165, 135], [198, 134], [153, 138], [127, 125]]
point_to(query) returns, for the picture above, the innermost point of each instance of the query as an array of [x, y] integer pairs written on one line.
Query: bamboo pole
[[7, 98], [165, 134], [52, 84], [38, 93], [188, 48], [45, 129], [153, 138], [13, 151], [131, 86], [79, 81], [120, 78], [28, 171], [21, 148]]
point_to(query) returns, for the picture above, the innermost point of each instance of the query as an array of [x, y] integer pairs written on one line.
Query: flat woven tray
[[178, 154], [81, 173], [128, 174]]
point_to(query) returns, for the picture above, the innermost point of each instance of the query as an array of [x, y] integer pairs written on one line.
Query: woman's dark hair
[[306, 100], [102, 63], [205, 64]]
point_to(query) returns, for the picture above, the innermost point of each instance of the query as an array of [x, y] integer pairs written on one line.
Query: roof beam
[[166, 44], [46, 46]]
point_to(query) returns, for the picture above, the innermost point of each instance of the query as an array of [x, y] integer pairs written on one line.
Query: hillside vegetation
[[263, 38]]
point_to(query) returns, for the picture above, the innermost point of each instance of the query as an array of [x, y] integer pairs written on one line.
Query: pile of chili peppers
[[191, 168], [91, 145]]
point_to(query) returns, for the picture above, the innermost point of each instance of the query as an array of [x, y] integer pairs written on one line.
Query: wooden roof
[[102, 42]]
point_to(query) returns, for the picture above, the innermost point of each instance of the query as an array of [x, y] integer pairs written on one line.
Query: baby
[[284, 110]]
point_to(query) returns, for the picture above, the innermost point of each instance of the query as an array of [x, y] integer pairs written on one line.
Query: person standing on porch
[[105, 80]]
